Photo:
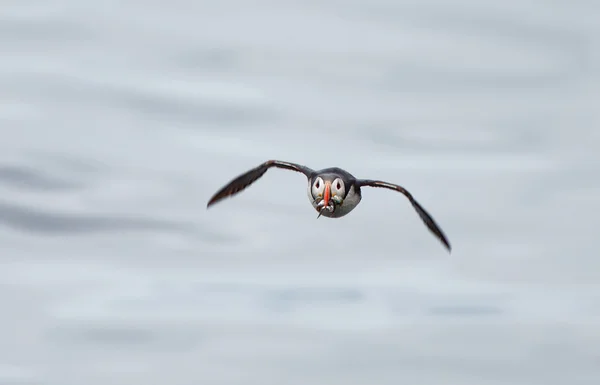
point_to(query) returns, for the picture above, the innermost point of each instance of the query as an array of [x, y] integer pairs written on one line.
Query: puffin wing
[[425, 216], [246, 179]]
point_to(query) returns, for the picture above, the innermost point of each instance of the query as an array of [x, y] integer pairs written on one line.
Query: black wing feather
[[246, 179], [425, 216]]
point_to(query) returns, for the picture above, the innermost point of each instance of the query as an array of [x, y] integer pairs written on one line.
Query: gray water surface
[[120, 119]]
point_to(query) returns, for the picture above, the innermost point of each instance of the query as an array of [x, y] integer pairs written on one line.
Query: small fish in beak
[[327, 203], [333, 203], [329, 208]]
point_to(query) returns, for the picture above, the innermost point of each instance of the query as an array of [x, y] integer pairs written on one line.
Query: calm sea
[[119, 120]]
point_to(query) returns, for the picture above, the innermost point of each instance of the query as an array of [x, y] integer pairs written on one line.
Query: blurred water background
[[119, 120]]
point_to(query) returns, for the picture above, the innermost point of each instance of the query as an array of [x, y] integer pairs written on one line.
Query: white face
[[338, 188], [318, 188]]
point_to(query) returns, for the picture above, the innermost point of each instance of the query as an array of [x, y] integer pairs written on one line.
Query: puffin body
[[333, 192], [330, 177]]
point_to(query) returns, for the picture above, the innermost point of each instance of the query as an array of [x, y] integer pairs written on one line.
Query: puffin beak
[[327, 194], [326, 197]]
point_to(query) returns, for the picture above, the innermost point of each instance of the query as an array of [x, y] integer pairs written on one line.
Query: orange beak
[[327, 194]]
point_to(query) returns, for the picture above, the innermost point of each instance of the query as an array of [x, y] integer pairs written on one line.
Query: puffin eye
[[317, 187], [338, 186]]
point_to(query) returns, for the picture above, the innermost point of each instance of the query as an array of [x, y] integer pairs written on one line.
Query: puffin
[[333, 192]]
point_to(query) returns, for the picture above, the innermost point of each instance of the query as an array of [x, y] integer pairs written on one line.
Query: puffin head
[[328, 192]]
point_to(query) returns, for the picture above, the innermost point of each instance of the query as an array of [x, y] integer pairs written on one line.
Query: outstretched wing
[[249, 177], [425, 217]]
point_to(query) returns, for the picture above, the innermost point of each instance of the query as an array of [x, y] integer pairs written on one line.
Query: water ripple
[[36, 220]]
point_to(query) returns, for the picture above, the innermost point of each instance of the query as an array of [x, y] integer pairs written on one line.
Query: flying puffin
[[333, 192]]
